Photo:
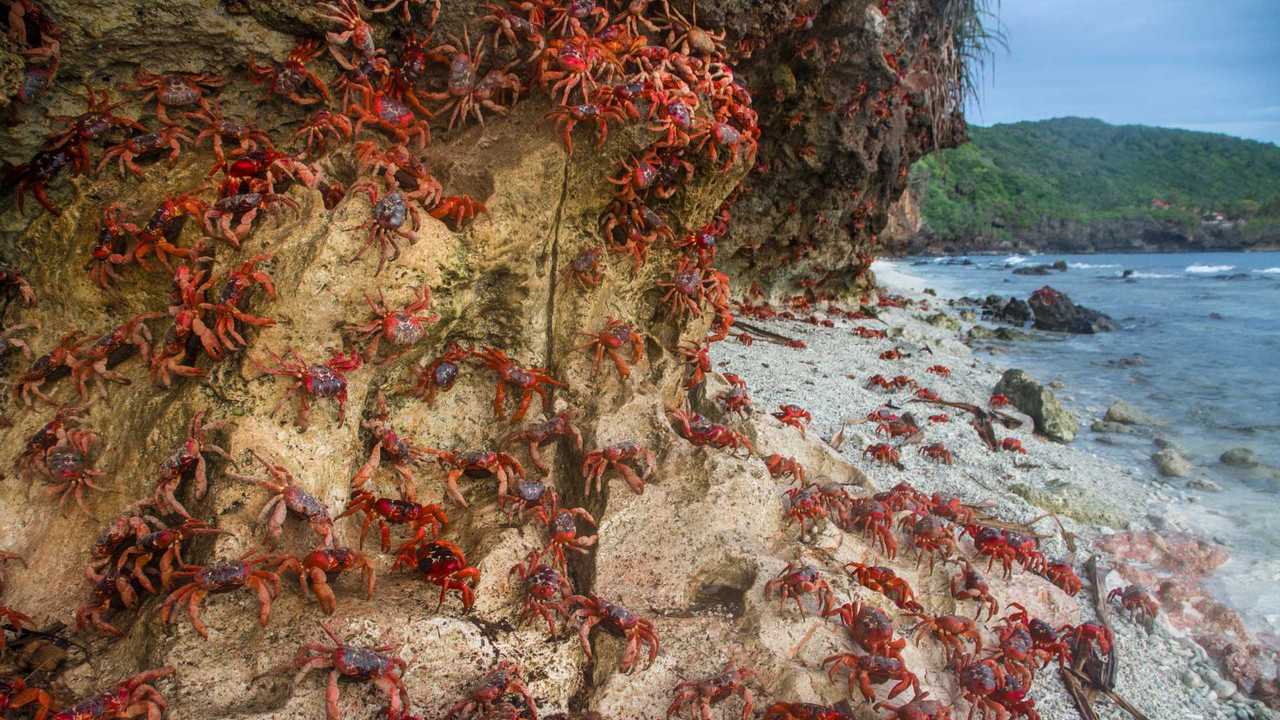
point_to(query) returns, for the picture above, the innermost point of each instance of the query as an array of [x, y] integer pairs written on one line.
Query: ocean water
[[1207, 328]]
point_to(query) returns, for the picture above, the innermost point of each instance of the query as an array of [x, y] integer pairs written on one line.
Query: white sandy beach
[[1166, 676]]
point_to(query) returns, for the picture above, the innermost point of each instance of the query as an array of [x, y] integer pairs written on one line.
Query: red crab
[[127, 339], [950, 630], [97, 119], [169, 137], [325, 380], [795, 416], [884, 453], [968, 584], [163, 227], [455, 210], [400, 328], [291, 78], [35, 175], [67, 469], [478, 464], [467, 92], [354, 30], [166, 544], [1137, 601], [803, 504], [15, 694], [697, 358], [920, 708], [111, 248], [14, 286], [545, 590], [562, 523], [218, 130], [527, 380], [401, 171], [387, 512], [940, 418], [615, 334], [979, 680], [807, 711], [700, 695], [500, 682], [389, 214], [176, 90], [998, 401], [222, 577], [939, 370], [50, 367], [870, 629], [618, 621], [585, 268], [321, 566], [440, 374], [320, 127], [886, 582], [545, 433], [702, 432], [391, 116], [132, 697], [442, 563], [929, 535], [869, 670], [937, 452], [237, 288], [1012, 445], [1061, 574], [797, 580], [288, 497], [568, 116], [597, 462], [780, 467], [401, 454], [870, 516], [188, 463], [245, 206], [378, 665]]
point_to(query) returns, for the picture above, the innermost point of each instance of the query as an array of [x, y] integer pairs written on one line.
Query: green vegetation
[[1013, 177]]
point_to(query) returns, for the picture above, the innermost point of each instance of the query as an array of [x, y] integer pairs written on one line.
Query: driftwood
[[1087, 676], [982, 419], [760, 332]]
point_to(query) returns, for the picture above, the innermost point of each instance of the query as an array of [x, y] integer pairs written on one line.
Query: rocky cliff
[[155, 297]]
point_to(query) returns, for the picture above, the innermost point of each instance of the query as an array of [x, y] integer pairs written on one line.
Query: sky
[[1201, 65]]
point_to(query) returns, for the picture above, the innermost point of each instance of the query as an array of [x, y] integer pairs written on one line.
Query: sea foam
[[1203, 269]]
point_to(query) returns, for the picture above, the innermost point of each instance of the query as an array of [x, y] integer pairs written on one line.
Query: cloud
[[1211, 67]]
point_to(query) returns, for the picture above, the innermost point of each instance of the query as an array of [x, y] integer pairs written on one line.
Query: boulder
[[943, 320], [1204, 483], [1112, 428], [1122, 412], [1171, 463], [1034, 270], [1015, 312], [1059, 265], [1239, 457], [1074, 501], [1037, 401], [1055, 312]]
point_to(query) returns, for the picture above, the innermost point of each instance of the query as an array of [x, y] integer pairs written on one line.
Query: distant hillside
[[1074, 184]]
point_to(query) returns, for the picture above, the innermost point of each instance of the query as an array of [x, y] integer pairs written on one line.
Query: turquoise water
[[1207, 326]]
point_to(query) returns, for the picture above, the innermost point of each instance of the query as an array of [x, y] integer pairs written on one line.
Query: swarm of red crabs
[[644, 64]]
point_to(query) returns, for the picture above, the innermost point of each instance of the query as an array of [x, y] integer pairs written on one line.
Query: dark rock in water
[[1129, 361], [1122, 412], [1216, 316], [1234, 276], [1034, 270], [1051, 419], [1011, 335], [1239, 457], [1014, 312], [1060, 266], [1171, 463], [1126, 274], [1055, 312]]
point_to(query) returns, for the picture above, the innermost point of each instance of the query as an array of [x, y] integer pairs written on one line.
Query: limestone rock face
[[692, 552], [1051, 419]]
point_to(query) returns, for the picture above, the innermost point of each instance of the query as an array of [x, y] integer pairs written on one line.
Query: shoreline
[[1162, 672]]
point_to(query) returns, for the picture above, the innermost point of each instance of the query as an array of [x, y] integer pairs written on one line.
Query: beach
[[1162, 672]]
